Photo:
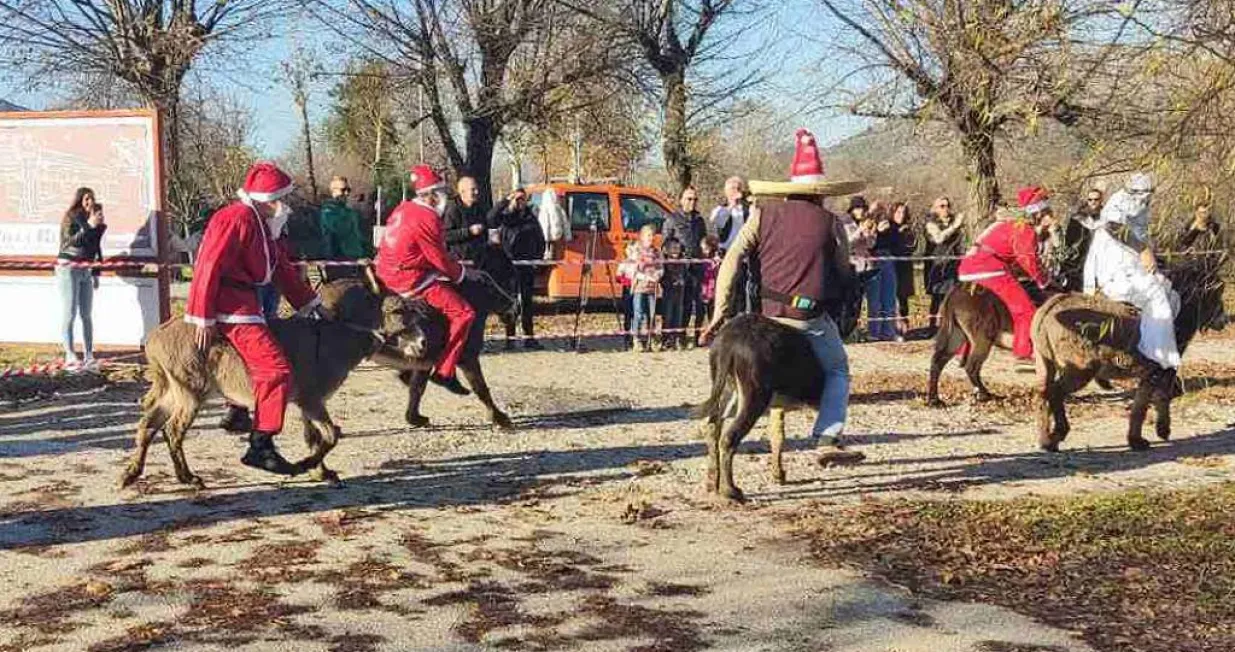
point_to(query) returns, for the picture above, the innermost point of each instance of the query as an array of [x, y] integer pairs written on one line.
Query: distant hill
[[907, 161]]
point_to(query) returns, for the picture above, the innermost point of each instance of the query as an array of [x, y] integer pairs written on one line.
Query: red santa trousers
[[269, 372], [459, 316], [1017, 300]]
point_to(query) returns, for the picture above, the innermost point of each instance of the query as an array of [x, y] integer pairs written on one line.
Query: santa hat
[[425, 180], [1141, 183], [805, 174], [807, 166], [265, 182], [1033, 199]]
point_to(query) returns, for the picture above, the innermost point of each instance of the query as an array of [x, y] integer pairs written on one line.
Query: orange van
[[603, 219]]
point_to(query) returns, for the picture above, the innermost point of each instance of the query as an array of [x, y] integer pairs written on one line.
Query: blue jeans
[[881, 301], [829, 350], [76, 300], [269, 297], [644, 311]]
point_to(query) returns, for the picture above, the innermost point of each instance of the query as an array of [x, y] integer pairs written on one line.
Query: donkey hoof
[[197, 482], [733, 496], [417, 421], [983, 397], [128, 478], [1164, 434], [1138, 444], [502, 422], [935, 403], [779, 477], [323, 474], [1050, 446]]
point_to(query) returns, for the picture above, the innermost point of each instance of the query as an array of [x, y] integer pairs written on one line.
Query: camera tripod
[[585, 285]]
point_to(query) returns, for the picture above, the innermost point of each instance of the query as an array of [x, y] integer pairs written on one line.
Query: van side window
[[637, 211], [586, 208]]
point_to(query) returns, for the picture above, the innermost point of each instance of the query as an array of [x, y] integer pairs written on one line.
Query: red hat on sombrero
[[1033, 199], [265, 182], [805, 174], [425, 180]]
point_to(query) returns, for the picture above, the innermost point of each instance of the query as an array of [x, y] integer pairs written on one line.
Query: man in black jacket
[[522, 240], [464, 221], [688, 227]]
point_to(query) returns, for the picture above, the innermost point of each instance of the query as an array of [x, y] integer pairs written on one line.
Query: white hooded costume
[[1114, 268]]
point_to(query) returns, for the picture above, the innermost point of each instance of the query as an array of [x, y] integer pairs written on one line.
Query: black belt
[[796, 303]]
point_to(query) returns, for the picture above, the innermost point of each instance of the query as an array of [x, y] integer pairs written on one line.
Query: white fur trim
[[271, 196], [199, 321], [1038, 206], [807, 178], [441, 185], [230, 318], [422, 286], [978, 276]]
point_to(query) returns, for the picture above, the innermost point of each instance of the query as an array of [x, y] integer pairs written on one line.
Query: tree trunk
[[302, 103], [979, 148], [676, 145], [482, 136]]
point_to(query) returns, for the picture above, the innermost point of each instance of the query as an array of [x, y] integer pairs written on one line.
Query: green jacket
[[341, 233]]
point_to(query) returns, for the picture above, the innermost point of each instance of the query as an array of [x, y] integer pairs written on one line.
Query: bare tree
[[984, 68], [692, 47], [298, 70], [148, 44], [483, 64]]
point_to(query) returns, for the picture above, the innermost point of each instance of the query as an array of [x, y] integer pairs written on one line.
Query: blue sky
[[254, 78]]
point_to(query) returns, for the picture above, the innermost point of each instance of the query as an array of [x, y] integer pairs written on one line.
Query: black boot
[[237, 419], [451, 384], [263, 455]]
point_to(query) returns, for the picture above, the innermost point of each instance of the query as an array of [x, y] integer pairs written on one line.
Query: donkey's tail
[[950, 335], [721, 363]]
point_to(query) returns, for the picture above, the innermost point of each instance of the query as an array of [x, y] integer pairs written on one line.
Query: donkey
[[1078, 337], [321, 354]]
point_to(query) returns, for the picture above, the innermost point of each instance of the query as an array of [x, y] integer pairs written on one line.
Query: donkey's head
[[402, 327], [499, 287], [1201, 286]]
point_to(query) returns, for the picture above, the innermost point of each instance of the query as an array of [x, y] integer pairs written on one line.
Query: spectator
[[1203, 234], [81, 238], [689, 228], [673, 285], [342, 231], [860, 231], [522, 239], [707, 291], [626, 278], [944, 239], [904, 243], [1068, 261], [645, 283], [727, 221], [882, 310], [464, 221]]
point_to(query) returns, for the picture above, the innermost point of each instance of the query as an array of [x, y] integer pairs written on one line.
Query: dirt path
[[584, 530]]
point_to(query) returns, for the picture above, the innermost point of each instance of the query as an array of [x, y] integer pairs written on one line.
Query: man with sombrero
[[804, 266]]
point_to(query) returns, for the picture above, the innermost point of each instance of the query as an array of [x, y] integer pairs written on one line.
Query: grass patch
[[1136, 571]]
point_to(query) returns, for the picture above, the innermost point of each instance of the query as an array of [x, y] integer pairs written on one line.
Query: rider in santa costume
[[1010, 241], [1127, 271], [412, 261], [237, 254]]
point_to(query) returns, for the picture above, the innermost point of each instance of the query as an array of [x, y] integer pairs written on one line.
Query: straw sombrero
[[806, 175]]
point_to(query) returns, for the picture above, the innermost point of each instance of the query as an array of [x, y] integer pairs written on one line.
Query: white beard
[[279, 220]]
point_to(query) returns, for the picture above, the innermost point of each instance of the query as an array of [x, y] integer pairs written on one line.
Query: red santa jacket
[[235, 256], [1003, 244], [413, 252]]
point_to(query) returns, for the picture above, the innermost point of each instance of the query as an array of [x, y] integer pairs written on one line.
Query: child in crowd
[[626, 278], [673, 296], [711, 252], [648, 270]]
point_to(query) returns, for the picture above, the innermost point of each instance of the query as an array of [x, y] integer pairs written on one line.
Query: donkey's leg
[[973, 367], [183, 414], [1070, 380], [1162, 410], [416, 382], [943, 353], [321, 435], [776, 437], [147, 427], [1046, 387], [711, 427], [752, 402], [476, 380], [1136, 418]]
